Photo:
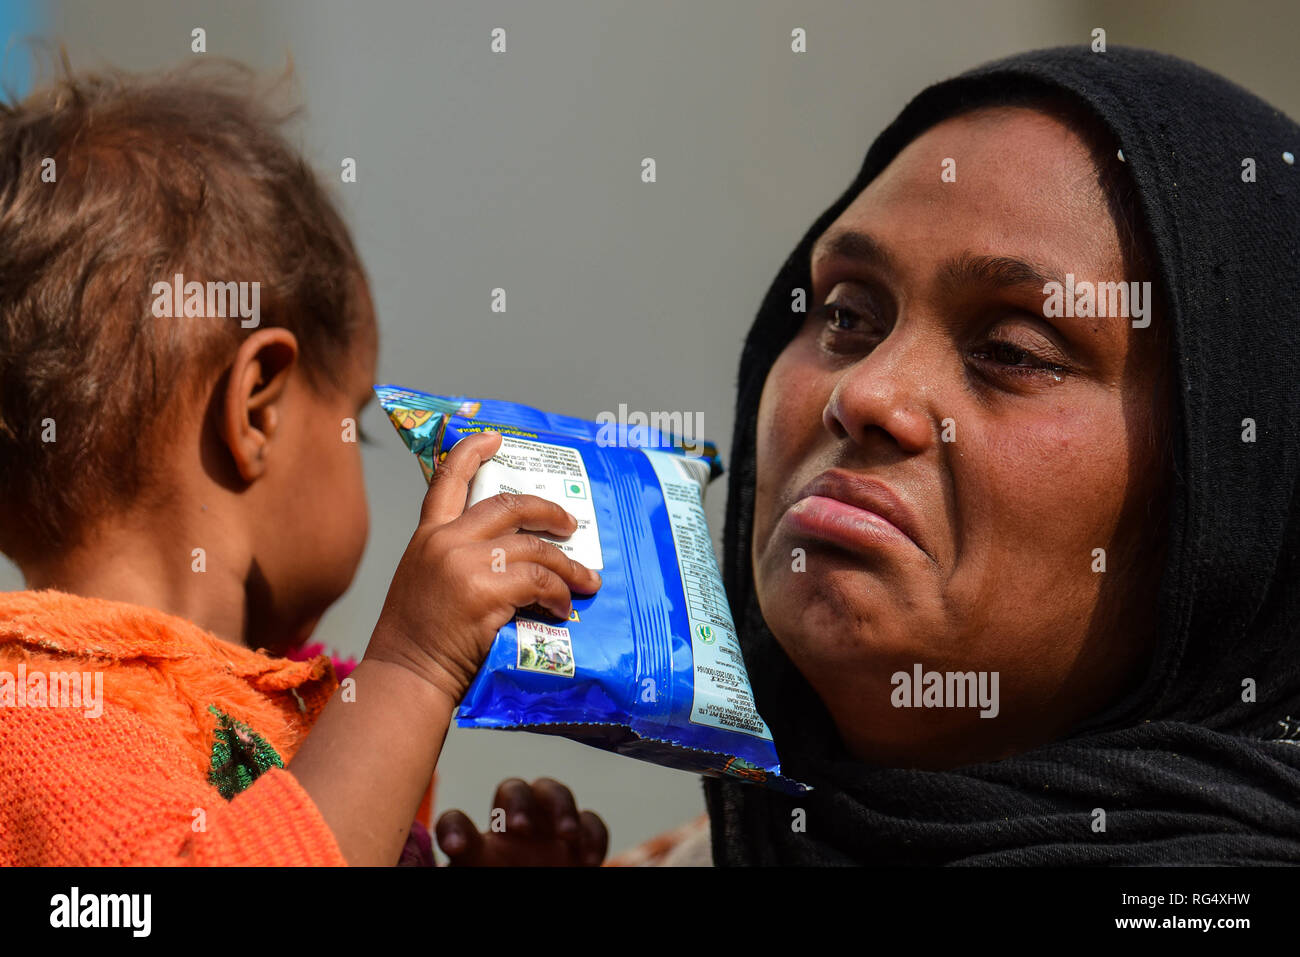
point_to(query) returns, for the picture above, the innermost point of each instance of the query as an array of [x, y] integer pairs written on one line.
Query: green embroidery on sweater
[[239, 756]]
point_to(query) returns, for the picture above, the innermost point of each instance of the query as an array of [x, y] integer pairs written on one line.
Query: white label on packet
[[722, 697], [553, 472]]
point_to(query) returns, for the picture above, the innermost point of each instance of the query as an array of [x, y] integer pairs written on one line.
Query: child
[[186, 341]]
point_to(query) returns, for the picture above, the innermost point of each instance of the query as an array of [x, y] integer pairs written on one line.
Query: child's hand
[[541, 827], [466, 571]]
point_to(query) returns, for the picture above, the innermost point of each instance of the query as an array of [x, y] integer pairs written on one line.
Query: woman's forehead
[[994, 154], [1007, 182]]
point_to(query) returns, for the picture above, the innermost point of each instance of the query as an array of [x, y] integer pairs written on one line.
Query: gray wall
[[523, 171]]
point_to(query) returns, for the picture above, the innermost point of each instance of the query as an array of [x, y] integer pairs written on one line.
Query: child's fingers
[[530, 548], [507, 512], [558, 808], [593, 840], [449, 487], [458, 838], [528, 583], [515, 797]]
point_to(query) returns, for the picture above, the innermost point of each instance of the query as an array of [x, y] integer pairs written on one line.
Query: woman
[[946, 465]]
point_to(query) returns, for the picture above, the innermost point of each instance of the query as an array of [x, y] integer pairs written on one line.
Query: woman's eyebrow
[[998, 272], [964, 270], [858, 247]]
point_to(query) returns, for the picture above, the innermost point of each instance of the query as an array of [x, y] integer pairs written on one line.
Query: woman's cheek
[[1058, 478], [789, 423], [789, 438]]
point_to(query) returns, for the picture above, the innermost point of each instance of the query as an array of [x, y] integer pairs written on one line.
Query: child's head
[[123, 414]]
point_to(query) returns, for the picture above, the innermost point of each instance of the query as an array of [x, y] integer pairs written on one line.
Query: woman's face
[[1002, 447]]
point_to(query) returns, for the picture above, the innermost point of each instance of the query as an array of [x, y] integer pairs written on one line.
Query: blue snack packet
[[650, 665]]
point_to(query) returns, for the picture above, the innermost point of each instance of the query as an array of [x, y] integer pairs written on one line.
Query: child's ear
[[255, 387]]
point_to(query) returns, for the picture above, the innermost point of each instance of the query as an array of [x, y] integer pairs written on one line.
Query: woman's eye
[[1007, 354], [840, 318], [1009, 357], [843, 329]]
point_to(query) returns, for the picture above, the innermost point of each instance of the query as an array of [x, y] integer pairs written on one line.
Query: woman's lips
[[852, 512], [842, 524]]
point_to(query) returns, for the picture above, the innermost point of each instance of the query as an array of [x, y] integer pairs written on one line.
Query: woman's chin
[[848, 618]]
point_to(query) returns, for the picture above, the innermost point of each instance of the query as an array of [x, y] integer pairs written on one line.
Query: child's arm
[[366, 762]]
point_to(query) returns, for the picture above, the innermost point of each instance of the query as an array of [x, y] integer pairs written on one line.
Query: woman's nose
[[889, 390]]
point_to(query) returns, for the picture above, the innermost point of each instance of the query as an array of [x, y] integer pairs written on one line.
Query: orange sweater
[[185, 763]]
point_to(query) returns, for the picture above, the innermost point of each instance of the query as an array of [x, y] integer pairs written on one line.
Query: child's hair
[[184, 171]]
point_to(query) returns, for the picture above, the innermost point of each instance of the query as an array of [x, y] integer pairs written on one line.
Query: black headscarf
[[1186, 771]]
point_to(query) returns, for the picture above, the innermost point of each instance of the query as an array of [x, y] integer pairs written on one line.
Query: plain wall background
[[522, 170]]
